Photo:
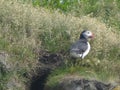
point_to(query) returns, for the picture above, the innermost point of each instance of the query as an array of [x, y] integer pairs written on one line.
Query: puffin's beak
[[92, 36]]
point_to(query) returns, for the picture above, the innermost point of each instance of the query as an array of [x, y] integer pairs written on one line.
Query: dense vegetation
[[29, 26], [108, 10]]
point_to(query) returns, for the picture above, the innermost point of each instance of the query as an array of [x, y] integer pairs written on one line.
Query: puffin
[[81, 48]]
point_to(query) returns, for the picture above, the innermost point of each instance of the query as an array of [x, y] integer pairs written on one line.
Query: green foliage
[[63, 5], [87, 6], [4, 76], [107, 9], [55, 40], [114, 53], [101, 72], [60, 73]]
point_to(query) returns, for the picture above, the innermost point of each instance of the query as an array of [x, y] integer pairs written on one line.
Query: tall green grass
[[57, 40]]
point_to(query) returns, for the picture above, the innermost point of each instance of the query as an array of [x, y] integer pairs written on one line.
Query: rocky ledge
[[82, 84], [51, 61], [48, 63]]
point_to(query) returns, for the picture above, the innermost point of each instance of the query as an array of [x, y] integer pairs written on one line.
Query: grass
[[107, 10], [25, 29], [102, 72]]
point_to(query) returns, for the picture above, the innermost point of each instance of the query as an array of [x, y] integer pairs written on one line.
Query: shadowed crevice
[[39, 81], [48, 63]]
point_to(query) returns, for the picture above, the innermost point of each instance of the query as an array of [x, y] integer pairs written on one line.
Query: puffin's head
[[86, 34]]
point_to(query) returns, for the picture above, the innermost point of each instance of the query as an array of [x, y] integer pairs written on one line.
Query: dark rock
[[80, 84]]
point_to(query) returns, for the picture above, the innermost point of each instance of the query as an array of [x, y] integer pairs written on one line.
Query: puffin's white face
[[88, 34]]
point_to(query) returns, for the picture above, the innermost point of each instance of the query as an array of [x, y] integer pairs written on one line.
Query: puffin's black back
[[80, 46]]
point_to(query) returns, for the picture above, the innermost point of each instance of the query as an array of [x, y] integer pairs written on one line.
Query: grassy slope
[[25, 29]]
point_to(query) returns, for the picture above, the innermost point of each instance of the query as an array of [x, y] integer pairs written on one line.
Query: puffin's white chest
[[87, 51]]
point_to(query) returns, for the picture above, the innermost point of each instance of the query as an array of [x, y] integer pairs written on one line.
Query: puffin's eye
[[88, 32]]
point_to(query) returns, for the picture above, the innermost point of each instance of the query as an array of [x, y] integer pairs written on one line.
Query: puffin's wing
[[79, 47]]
